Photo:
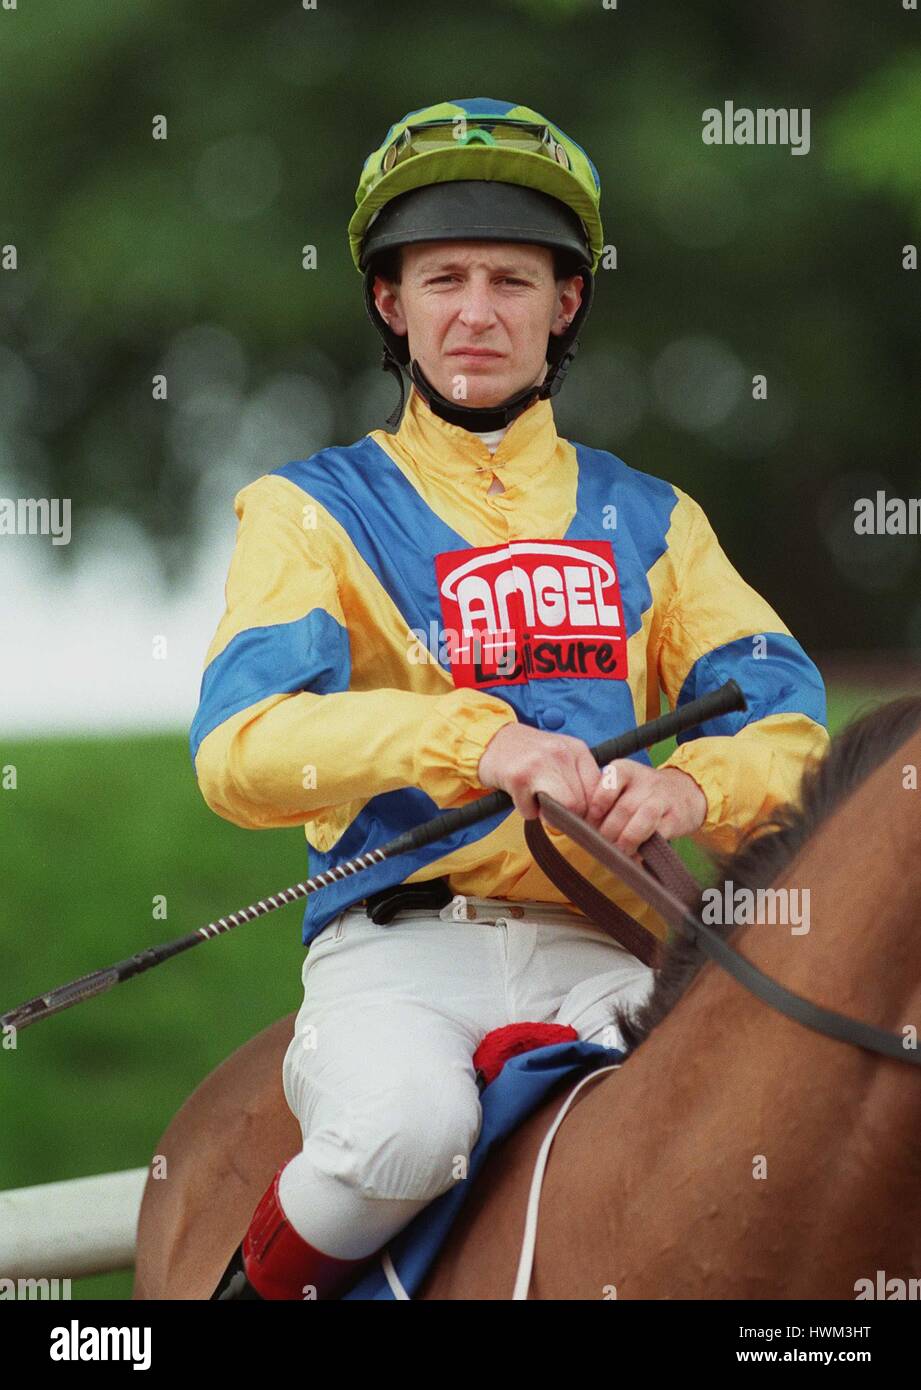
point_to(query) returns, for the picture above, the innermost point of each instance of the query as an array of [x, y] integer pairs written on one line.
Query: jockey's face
[[478, 314]]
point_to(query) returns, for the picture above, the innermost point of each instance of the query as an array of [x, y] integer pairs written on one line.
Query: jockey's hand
[[632, 801], [521, 761], [626, 801]]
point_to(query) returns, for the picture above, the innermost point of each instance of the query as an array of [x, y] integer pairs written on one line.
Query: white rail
[[71, 1229]]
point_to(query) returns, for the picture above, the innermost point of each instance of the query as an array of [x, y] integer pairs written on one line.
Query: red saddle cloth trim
[[502, 1043]]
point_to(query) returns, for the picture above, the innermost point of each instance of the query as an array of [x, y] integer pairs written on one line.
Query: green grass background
[[94, 831]]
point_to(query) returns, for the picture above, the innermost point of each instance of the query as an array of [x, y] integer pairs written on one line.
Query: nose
[[477, 312]]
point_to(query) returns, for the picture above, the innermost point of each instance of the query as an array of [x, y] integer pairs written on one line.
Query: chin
[[483, 392]]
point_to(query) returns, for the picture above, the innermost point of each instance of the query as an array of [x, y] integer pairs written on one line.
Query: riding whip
[[726, 699]]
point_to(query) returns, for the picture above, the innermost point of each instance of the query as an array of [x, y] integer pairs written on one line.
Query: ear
[[569, 297], [388, 305]]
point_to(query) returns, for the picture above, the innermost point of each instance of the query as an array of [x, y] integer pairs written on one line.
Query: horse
[[735, 1153]]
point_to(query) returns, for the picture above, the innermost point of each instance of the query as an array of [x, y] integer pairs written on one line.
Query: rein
[[666, 886]]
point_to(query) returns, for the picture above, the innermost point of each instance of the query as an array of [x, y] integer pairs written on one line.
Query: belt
[[436, 895], [386, 902]]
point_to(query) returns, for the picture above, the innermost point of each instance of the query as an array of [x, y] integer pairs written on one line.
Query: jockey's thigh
[[571, 972], [380, 1069]]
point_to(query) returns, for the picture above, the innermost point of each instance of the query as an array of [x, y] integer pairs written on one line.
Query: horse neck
[[859, 875], [674, 1138]]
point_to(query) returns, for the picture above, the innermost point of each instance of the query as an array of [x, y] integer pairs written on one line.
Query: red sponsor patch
[[532, 610]]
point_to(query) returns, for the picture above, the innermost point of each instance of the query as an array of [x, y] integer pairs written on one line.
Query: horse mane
[[765, 850]]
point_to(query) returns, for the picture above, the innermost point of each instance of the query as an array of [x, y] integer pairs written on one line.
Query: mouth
[[475, 352]]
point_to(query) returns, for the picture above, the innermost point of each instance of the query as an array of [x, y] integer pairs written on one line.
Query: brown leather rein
[[665, 884]]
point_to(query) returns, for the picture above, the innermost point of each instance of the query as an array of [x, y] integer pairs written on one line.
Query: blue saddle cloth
[[520, 1087]]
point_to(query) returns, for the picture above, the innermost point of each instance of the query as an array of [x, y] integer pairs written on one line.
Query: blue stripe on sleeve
[[782, 681], [311, 653]]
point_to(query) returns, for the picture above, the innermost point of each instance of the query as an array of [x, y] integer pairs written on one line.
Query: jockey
[[466, 603]]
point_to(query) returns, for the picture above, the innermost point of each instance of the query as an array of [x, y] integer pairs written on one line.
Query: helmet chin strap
[[490, 417], [477, 418]]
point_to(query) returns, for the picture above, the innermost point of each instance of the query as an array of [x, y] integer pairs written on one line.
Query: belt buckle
[[383, 905]]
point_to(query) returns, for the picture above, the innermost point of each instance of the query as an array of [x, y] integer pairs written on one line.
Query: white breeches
[[380, 1069]]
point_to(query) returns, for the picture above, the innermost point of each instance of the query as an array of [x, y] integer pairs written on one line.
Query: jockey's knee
[[413, 1145]]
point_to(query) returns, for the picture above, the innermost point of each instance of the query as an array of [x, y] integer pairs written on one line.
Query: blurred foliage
[[875, 139], [139, 256]]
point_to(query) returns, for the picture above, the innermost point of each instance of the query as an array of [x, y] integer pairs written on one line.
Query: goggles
[[452, 132]]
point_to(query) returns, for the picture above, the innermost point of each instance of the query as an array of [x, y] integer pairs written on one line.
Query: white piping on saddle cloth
[[526, 1261]]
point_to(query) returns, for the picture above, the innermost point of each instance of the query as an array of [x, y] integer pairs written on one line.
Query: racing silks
[[386, 615]]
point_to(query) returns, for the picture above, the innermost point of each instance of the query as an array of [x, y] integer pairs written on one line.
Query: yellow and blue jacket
[[386, 615]]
